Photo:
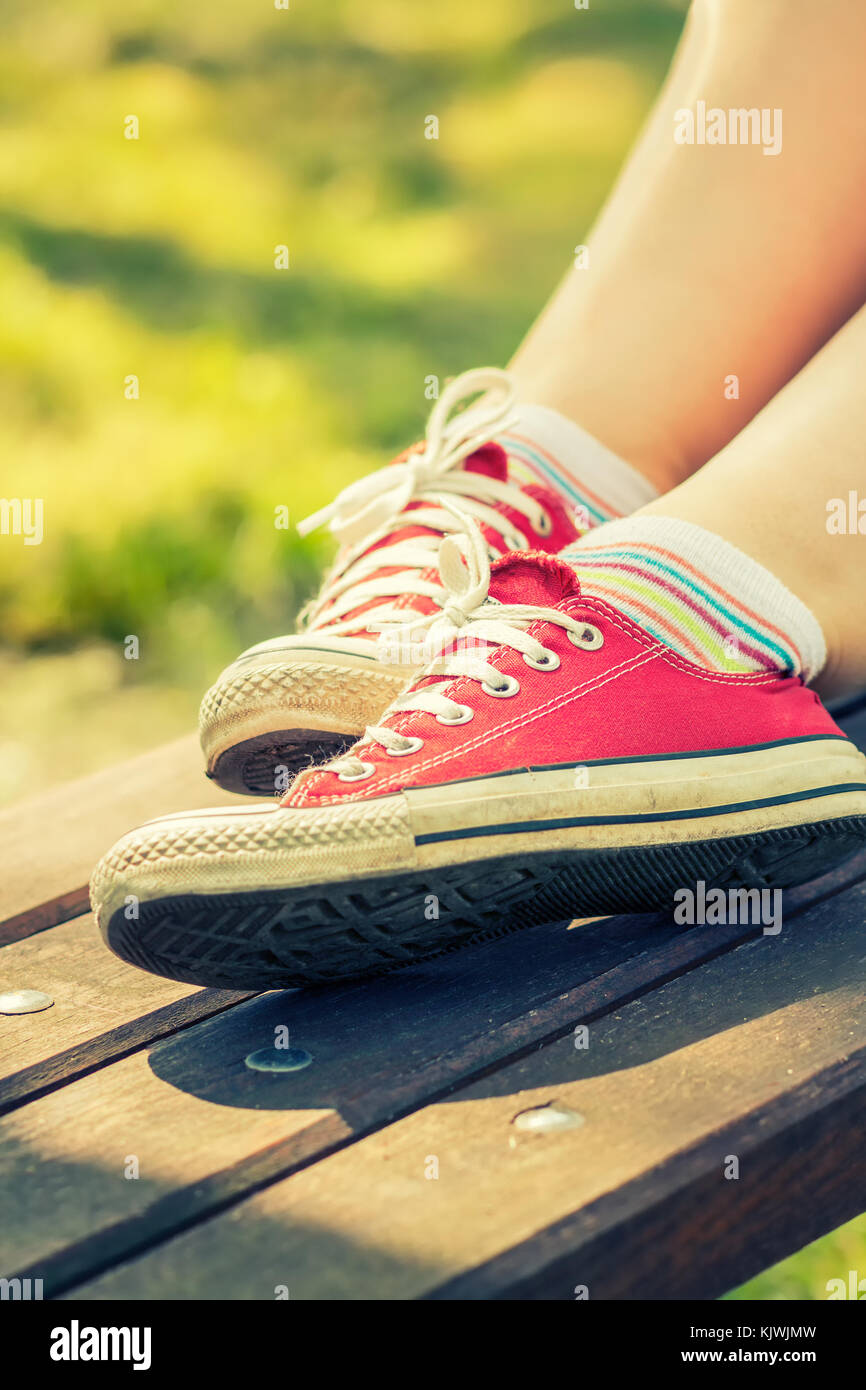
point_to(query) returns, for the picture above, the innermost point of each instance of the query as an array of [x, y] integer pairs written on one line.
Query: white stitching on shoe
[[468, 589], [586, 687]]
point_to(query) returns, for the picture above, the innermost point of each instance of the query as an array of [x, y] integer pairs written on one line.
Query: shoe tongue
[[535, 578], [491, 460]]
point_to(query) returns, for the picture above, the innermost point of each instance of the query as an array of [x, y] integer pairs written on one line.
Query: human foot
[[555, 760], [295, 699]]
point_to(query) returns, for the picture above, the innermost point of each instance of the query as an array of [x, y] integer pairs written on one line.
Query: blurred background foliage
[[260, 387]]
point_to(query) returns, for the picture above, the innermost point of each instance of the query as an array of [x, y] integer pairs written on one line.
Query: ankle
[[559, 453]]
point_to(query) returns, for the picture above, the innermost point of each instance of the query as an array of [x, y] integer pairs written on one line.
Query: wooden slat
[[195, 1109], [52, 841], [380, 1049], [849, 713], [101, 1008], [803, 1175], [93, 1027], [760, 1053]]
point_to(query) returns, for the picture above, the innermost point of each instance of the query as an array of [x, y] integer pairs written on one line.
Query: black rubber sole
[[328, 932], [255, 767]]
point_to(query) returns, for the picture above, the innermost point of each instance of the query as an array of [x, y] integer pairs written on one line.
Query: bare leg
[[712, 260], [771, 492]]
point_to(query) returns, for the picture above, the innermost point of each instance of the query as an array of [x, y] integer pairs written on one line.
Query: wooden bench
[[141, 1158]]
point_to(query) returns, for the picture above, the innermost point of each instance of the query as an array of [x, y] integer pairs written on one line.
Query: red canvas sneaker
[[554, 760], [294, 699]]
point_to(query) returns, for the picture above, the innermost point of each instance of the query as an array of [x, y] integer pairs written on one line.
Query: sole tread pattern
[[258, 765], [322, 933]]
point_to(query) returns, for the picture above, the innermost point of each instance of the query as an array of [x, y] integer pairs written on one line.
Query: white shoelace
[[368, 511], [474, 621]]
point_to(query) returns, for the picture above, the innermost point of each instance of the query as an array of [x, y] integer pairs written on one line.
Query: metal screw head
[[24, 1001], [275, 1059], [547, 1119]]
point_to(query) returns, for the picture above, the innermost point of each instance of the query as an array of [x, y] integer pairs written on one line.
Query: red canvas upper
[[491, 461], [633, 697]]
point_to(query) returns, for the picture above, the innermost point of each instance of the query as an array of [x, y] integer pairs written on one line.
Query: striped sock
[[699, 595], [546, 447]]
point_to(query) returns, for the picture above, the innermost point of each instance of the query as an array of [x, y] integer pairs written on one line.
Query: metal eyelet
[[414, 745], [545, 524], [589, 638], [369, 771], [549, 662], [462, 718], [508, 688]]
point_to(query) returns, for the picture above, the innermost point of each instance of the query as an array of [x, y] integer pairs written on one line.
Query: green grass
[[155, 257], [814, 1272], [261, 387]]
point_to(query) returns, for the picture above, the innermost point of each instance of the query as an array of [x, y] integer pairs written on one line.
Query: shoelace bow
[[469, 620], [371, 509]]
